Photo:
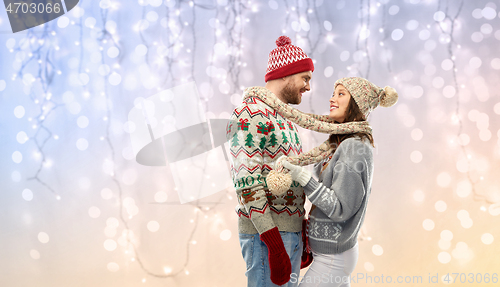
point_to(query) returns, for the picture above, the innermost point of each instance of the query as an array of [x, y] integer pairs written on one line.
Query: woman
[[340, 197]]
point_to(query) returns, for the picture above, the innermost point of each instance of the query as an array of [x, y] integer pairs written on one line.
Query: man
[[269, 226]]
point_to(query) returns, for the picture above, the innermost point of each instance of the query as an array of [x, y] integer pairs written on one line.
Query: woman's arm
[[350, 172], [343, 198]]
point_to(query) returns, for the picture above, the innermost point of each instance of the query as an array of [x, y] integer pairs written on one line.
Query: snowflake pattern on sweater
[[260, 136], [327, 231]]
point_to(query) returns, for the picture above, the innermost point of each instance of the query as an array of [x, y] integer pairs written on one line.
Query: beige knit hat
[[367, 95]]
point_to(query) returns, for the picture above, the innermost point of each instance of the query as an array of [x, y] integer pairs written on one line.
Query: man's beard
[[291, 94]]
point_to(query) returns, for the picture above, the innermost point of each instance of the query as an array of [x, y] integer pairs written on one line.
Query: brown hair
[[352, 114]]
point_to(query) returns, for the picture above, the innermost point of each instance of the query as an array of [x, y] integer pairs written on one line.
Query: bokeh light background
[[77, 210]]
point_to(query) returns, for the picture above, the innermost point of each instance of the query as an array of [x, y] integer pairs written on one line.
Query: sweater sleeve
[[247, 146], [317, 169], [344, 197]]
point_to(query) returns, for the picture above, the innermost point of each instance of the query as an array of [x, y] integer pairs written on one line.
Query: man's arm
[[248, 140], [247, 152]]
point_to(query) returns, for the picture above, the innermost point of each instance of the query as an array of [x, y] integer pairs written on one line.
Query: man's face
[[295, 86]]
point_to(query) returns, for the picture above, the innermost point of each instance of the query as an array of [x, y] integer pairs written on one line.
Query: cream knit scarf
[[279, 182]]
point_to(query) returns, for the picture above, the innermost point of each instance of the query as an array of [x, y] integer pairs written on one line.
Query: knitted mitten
[[279, 180], [298, 173], [279, 261]]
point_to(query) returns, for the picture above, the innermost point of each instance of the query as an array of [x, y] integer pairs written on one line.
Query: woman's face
[[338, 103]]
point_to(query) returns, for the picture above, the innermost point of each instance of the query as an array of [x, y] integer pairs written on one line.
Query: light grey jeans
[[332, 270]]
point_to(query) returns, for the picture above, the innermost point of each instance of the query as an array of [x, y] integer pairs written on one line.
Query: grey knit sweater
[[341, 196]]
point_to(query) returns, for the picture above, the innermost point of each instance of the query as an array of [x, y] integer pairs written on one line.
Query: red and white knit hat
[[286, 60]]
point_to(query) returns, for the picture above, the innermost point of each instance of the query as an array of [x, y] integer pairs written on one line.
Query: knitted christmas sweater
[[340, 197], [258, 135]]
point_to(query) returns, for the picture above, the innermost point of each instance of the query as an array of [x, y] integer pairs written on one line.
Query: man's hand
[[279, 261]]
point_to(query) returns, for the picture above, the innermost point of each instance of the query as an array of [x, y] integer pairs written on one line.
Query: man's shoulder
[[252, 105]]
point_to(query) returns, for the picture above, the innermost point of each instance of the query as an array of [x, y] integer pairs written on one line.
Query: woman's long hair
[[353, 114]]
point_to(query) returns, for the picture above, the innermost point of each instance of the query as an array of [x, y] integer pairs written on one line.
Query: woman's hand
[[298, 173], [279, 162]]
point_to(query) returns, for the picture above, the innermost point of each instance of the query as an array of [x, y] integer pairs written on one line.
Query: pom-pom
[[278, 182], [389, 97], [283, 40]]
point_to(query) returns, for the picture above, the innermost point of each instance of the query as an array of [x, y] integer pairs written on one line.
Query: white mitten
[[298, 173], [279, 162]]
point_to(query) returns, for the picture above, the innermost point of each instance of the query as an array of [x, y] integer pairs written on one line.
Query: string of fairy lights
[[40, 52], [107, 35], [448, 30], [313, 47], [364, 11], [174, 63], [131, 246], [386, 35], [234, 40], [168, 272], [362, 40]]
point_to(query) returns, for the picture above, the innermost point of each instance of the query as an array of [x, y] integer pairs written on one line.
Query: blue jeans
[[255, 254]]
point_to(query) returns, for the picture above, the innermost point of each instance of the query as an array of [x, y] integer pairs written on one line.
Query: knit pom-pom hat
[[367, 95], [287, 59]]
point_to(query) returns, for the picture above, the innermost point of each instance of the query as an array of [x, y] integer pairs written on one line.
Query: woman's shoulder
[[355, 142], [356, 146]]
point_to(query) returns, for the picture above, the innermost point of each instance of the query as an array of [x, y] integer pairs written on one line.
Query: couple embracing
[[272, 184]]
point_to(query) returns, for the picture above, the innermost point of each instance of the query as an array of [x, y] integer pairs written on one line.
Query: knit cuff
[[273, 241], [290, 69], [304, 177]]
